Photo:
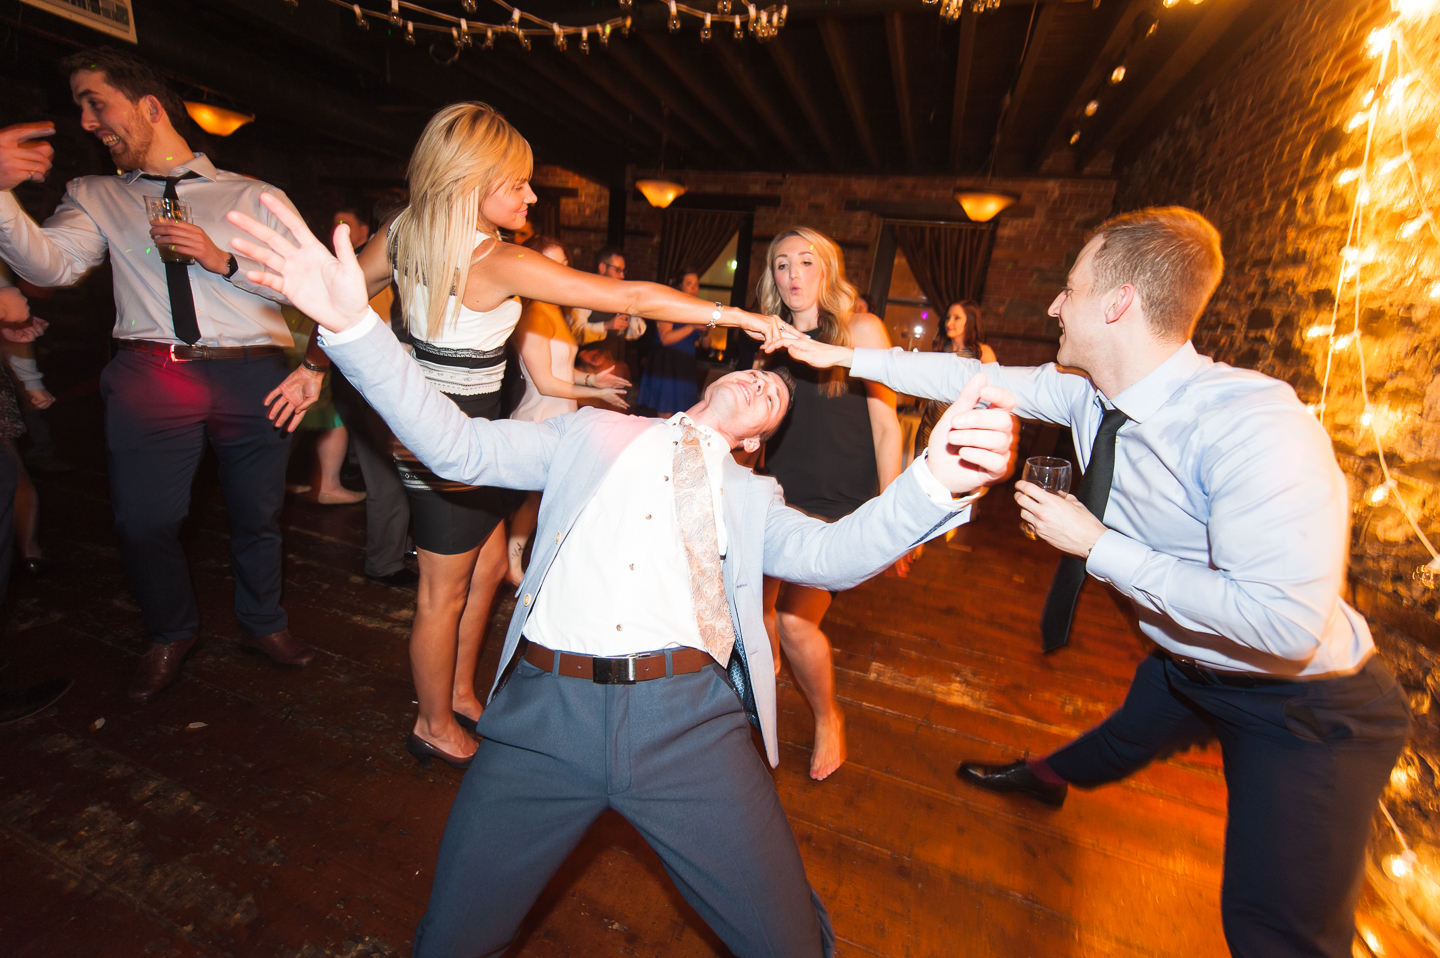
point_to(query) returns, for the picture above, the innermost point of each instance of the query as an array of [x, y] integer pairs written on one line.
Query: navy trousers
[[159, 416], [675, 758], [1305, 763]]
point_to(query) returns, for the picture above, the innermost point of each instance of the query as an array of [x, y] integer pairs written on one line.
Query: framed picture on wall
[[114, 17]]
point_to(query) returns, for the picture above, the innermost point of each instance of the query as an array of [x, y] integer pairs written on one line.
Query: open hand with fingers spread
[[812, 352], [972, 445], [329, 288]]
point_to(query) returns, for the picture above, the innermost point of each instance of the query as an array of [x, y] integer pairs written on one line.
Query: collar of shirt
[[1145, 398], [199, 164]]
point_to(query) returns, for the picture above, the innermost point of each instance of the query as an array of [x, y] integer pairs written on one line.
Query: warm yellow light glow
[[216, 119], [1366, 418], [1433, 291], [1372, 942], [1414, 226], [1315, 332], [1347, 176], [1117, 74], [1379, 40], [1415, 9], [1402, 777], [1343, 342], [1357, 121], [1394, 163], [1402, 866], [659, 193], [1074, 137], [1378, 494], [1171, 3], [982, 206], [1092, 107]]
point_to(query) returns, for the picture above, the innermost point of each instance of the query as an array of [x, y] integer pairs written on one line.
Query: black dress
[[824, 453]]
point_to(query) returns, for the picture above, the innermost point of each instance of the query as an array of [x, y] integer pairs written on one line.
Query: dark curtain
[[691, 239], [948, 259]]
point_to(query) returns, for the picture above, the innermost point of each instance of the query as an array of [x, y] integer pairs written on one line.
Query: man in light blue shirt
[[1227, 527]]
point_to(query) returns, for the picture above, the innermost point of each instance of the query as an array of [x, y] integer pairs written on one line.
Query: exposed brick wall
[[1260, 154]]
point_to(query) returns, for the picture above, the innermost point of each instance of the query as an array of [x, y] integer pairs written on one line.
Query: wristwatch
[[232, 266]]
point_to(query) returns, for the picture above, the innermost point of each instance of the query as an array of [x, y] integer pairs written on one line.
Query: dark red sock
[[1042, 771]]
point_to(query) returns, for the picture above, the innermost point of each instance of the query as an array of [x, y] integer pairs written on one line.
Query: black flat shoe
[[424, 752], [465, 722], [1015, 777]]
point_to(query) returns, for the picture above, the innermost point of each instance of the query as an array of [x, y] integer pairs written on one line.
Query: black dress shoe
[[17, 704], [1015, 777], [424, 752], [402, 578]]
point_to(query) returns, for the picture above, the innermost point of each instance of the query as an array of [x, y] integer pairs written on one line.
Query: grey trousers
[[674, 757]]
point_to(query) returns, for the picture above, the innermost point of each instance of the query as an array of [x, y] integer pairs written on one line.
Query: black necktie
[[1093, 493], [177, 276]]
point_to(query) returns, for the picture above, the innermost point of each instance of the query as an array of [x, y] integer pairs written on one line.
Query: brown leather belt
[[625, 670], [182, 353]]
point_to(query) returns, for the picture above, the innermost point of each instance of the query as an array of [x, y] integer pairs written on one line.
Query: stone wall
[[1264, 154]]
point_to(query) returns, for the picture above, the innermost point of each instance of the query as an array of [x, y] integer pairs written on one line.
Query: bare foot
[[829, 751]]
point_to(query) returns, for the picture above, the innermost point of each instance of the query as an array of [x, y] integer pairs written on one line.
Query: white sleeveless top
[[466, 355]]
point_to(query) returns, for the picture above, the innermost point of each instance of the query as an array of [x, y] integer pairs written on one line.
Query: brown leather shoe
[[159, 668], [282, 648]]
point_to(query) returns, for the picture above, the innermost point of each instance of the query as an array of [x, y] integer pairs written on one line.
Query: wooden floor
[[254, 811]]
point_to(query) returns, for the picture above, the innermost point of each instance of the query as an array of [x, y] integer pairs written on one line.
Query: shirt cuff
[[1116, 558], [865, 363], [938, 493], [371, 320]]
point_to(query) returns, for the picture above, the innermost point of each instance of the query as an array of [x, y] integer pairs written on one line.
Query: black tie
[[177, 276], [1093, 493]]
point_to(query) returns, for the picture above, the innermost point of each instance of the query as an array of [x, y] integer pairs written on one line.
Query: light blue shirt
[[1228, 519]]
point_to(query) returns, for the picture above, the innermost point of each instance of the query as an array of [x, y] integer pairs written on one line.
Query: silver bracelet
[[714, 316]]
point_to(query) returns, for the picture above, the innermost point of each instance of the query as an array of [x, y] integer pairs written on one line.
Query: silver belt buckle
[[614, 671], [181, 359]]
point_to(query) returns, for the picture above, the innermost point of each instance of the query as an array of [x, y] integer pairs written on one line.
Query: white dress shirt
[[621, 584], [1228, 519], [101, 214]]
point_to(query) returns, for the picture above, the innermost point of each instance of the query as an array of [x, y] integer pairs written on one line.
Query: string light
[[764, 23]]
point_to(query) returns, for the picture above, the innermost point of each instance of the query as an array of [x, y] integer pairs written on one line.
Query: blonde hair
[[1171, 255], [836, 300], [463, 154]]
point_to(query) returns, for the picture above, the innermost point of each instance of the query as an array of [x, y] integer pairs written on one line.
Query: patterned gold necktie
[[695, 514]]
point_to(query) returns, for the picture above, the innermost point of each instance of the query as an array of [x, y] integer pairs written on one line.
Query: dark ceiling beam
[[1017, 118], [576, 96], [763, 102], [667, 51], [1126, 29], [964, 64], [790, 70], [843, 64], [642, 69], [1215, 20], [599, 71], [900, 73]]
